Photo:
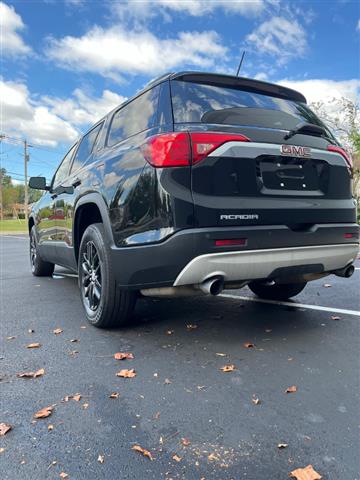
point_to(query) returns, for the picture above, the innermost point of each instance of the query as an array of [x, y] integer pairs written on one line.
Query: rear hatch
[[248, 172]]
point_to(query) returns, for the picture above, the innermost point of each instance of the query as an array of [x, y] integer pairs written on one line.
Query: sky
[[66, 63]]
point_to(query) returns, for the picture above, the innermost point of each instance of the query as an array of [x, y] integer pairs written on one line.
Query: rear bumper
[[175, 260]]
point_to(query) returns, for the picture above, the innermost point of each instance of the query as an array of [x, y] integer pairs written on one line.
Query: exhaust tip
[[349, 271], [212, 286]]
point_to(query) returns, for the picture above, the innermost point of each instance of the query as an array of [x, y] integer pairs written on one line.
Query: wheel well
[[85, 215], [31, 223]]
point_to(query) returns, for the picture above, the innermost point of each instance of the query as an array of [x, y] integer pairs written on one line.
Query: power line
[[32, 144]]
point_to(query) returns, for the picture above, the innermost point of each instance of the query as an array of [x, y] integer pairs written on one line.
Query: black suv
[[198, 183]]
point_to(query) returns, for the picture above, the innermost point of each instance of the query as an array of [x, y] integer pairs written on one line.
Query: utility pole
[[26, 159], [1, 186]]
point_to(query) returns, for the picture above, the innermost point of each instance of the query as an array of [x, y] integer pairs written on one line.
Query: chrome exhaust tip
[[345, 272], [212, 286]]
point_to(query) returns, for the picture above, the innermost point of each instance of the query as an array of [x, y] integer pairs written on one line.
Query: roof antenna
[[241, 61]]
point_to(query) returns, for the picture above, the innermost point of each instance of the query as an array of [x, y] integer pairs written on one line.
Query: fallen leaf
[[212, 457], [169, 332], [85, 406], [38, 373], [334, 317], [145, 452], [185, 441], [123, 355], [10, 338], [114, 395], [74, 340], [307, 473], [249, 345], [191, 326], [327, 285], [4, 428], [282, 445], [126, 373], [255, 400], [167, 381], [63, 475], [83, 327], [2, 450], [228, 368], [34, 345], [157, 416], [77, 397], [221, 354], [101, 459], [176, 458], [57, 331], [50, 427], [291, 389], [44, 412], [268, 330]]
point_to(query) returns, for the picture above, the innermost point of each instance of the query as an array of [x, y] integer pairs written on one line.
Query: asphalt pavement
[[197, 421]]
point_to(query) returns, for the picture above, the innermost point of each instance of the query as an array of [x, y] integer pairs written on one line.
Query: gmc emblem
[[295, 151]]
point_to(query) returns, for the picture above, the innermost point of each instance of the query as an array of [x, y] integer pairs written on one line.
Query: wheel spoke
[[91, 276]]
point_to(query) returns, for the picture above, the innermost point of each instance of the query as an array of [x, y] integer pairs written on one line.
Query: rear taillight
[[179, 149], [230, 242], [343, 153]]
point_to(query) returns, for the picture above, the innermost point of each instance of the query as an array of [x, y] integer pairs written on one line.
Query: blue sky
[[66, 63]]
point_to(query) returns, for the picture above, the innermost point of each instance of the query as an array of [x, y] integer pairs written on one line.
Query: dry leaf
[[176, 458], [38, 373], [4, 429], [123, 355], [44, 412], [185, 441], [77, 397], [249, 345], [83, 326], [169, 332], [256, 401], [34, 345], [334, 317], [167, 381], [327, 285], [85, 406], [2, 450], [57, 331], [114, 395], [282, 445], [221, 354], [157, 416], [145, 452], [10, 338], [268, 330], [74, 340], [126, 373], [50, 427], [63, 475], [228, 368], [101, 459], [307, 473], [191, 326], [291, 389], [212, 457]]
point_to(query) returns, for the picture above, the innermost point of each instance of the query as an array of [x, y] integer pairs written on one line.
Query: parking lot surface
[[232, 422]]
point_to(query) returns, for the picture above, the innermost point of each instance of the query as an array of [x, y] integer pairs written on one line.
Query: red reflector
[[343, 153], [176, 149], [229, 243], [349, 235], [204, 143]]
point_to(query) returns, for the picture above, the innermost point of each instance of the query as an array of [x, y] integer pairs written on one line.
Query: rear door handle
[[76, 182]]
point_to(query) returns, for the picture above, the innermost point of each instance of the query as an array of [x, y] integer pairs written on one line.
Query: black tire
[[39, 268], [105, 304], [278, 291]]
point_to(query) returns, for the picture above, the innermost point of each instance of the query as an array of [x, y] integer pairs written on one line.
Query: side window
[[85, 148], [135, 117], [63, 170]]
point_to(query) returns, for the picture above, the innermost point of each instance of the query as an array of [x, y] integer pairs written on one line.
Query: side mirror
[[38, 183]]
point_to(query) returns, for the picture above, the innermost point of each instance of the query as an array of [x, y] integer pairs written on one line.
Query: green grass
[[12, 226]]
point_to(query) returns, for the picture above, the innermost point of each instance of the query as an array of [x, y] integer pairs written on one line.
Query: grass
[[12, 226]]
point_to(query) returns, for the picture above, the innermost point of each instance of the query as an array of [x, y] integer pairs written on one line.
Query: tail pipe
[[212, 286], [345, 272]]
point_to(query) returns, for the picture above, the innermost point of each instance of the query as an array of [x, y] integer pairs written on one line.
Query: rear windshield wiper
[[307, 129]]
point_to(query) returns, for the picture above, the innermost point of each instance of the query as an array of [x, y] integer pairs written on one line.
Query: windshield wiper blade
[[306, 129]]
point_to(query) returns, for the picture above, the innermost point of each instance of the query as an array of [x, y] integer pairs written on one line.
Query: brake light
[[231, 242], [177, 149], [343, 153]]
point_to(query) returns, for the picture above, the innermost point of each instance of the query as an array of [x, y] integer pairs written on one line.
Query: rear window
[[200, 103]]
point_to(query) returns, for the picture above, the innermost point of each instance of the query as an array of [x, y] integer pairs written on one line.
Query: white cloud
[[10, 24], [114, 51], [50, 120], [150, 8], [280, 37]]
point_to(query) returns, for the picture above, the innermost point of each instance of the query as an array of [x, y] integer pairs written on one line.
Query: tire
[[105, 304], [280, 291], [39, 268]]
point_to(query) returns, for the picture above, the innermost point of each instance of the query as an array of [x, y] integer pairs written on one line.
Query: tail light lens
[[230, 242], [343, 153], [179, 149]]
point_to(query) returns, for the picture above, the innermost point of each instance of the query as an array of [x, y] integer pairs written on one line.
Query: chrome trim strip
[[254, 264]]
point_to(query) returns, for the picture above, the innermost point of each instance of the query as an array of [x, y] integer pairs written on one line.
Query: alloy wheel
[[91, 277]]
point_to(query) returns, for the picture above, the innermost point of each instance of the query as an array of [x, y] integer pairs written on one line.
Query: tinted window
[[200, 103], [85, 148], [63, 171], [135, 117]]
